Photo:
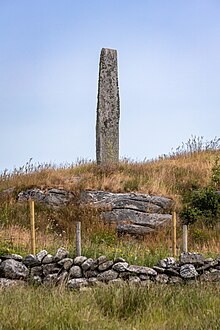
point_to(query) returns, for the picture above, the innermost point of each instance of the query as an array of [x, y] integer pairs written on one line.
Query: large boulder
[[13, 269]]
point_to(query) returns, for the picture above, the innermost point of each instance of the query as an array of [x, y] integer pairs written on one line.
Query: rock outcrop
[[82, 271], [133, 213]]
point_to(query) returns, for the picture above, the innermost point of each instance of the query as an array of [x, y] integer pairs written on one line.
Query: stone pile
[[81, 271]]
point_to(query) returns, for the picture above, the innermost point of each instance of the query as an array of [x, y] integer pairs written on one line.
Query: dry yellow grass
[[163, 176], [167, 176]]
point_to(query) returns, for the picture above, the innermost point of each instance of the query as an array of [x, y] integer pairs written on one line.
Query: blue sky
[[169, 75]]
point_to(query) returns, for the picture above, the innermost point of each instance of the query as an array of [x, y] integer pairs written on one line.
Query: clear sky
[[169, 75]]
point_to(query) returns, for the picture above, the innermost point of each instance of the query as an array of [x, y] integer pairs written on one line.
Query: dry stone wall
[[81, 271]]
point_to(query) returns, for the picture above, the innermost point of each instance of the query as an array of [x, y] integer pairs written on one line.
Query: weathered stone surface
[[87, 264], [31, 260], [134, 280], [75, 272], [77, 283], [36, 271], [102, 259], [94, 265], [108, 270], [91, 273], [135, 213], [167, 262], [79, 260], [142, 270], [162, 278], [108, 275], [188, 271], [151, 220], [191, 258], [132, 201], [8, 283], [48, 259], [61, 254], [207, 265], [135, 230], [210, 277], [52, 197], [66, 263], [50, 269], [108, 109], [14, 256], [13, 269], [144, 277], [105, 265], [41, 255], [120, 266]]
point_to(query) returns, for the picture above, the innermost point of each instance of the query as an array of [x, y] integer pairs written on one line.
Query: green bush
[[202, 204]]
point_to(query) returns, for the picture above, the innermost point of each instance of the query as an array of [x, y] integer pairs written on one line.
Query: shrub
[[202, 204]]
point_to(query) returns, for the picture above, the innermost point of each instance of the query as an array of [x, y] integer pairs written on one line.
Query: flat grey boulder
[[141, 270], [120, 266], [151, 220], [108, 275], [12, 256], [52, 197], [13, 269], [135, 201], [192, 258], [134, 213], [105, 265], [135, 230]]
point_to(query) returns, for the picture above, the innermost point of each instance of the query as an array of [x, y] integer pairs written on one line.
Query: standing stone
[[108, 109]]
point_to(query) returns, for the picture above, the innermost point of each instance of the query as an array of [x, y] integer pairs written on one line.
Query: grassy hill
[[191, 167]]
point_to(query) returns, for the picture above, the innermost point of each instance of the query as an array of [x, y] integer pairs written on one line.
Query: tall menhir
[[108, 109]]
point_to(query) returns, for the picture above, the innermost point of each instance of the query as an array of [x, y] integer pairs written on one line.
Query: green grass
[[154, 307]]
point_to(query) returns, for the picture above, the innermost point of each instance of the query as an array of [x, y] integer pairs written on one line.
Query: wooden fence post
[[185, 238], [78, 239], [174, 234], [32, 218]]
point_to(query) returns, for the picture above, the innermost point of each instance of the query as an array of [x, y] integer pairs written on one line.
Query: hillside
[[172, 176]]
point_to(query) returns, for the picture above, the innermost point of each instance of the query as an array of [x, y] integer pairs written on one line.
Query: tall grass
[[125, 307]]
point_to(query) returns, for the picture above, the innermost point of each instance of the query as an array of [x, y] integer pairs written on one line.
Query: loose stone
[[188, 271]]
